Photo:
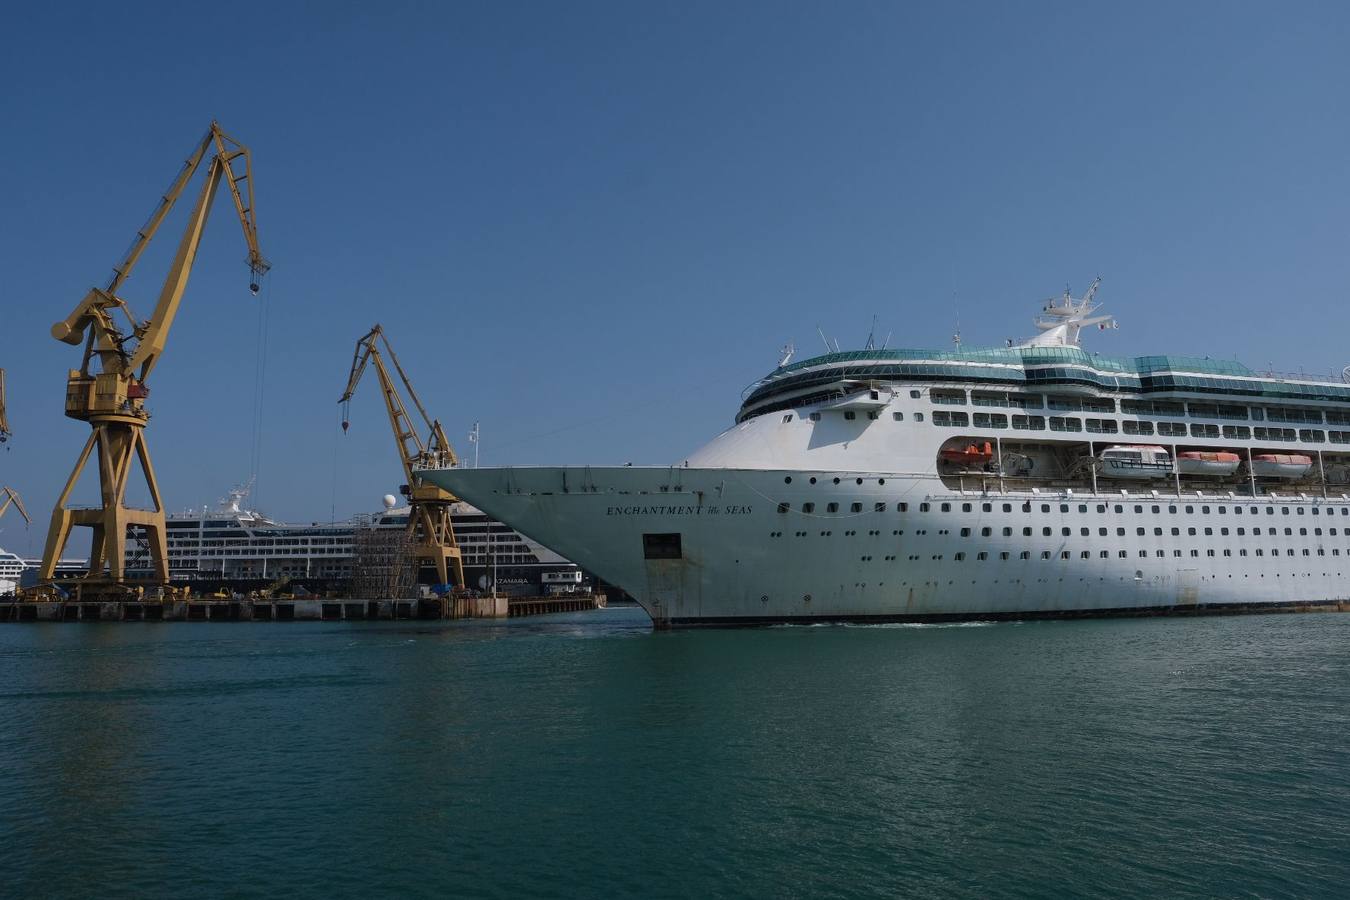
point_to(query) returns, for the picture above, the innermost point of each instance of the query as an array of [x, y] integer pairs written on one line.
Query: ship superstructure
[[1037, 479]]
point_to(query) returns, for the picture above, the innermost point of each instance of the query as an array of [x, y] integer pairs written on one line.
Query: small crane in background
[[109, 389], [430, 527], [7, 494]]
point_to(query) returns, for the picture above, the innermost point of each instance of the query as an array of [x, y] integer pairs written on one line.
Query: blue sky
[[589, 226]]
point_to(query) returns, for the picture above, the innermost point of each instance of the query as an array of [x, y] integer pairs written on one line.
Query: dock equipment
[[431, 534], [109, 389]]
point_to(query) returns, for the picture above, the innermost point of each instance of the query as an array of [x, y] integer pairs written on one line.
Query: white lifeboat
[[1136, 462], [1199, 462], [1281, 465]]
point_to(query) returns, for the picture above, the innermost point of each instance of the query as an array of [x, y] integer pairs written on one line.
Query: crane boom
[[9, 495], [429, 523], [109, 389]]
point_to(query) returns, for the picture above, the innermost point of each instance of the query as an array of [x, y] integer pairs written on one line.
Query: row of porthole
[[1139, 508], [787, 479]]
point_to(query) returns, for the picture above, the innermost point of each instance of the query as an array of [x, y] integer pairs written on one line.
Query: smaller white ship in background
[[234, 548]]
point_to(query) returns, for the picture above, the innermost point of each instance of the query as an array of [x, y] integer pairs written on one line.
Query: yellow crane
[[430, 530], [109, 389]]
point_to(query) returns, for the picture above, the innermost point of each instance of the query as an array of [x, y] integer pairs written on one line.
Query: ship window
[[1004, 555], [918, 417], [850, 415], [1256, 531], [1190, 531], [986, 532], [1289, 531], [1064, 507], [1007, 507], [832, 507], [1260, 552], [1066, 531], [1047, 531], [880, 507], [782, 507], [1195, 553], [1158, 509], [1100, 531], [1284, 510], [902, 507], [914, 394], [808, 507], [1141, 553], [898, 416], [965, 507], [1190, 510], [959, 557], [1122, 554], [1025, 554], [946, 507], [1045, 507], [856, 507], [1139, 531], [872, 414], [787, 418], [1176, 531], [1007, 532], [923, 507], [1120, 532], [661, 546], [986, 507], [1157, 531], [1101, 507], [1064, 554], [1299, 510], [1160, 553], [1026, 531], [1138, 508], [1045, 554], [1178, 552]]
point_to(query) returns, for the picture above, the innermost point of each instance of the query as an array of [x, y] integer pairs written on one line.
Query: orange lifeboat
[[969, 455], [1281, 465], [1198, 462]]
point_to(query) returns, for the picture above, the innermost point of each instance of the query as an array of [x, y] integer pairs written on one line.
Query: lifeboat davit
[[969, 455], [1281, 465], [1197, 462]]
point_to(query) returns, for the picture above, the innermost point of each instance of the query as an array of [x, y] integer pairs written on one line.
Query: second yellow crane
[[430, 527]]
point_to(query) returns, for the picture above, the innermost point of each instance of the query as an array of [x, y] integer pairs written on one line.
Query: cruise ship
[[1027, 481], [233, 548]]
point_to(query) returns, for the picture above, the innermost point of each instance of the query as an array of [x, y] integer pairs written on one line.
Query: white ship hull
[[742, 562]]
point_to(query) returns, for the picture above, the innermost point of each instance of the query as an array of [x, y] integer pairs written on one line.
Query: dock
[[318, 610]]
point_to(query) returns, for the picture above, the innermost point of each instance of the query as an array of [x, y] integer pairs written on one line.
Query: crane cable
[[259, 392]]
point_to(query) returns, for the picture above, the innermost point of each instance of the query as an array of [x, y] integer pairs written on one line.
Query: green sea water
[[585, 755]]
